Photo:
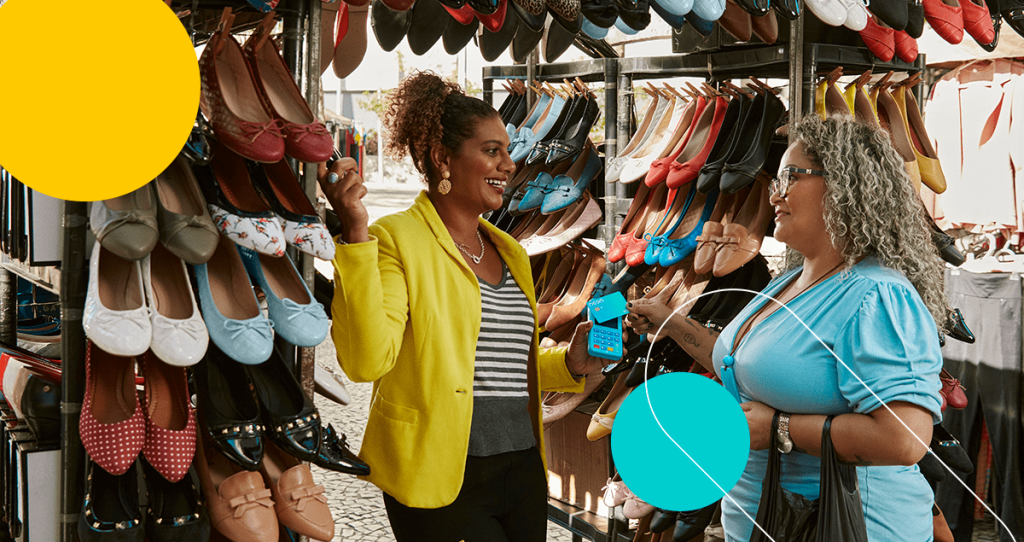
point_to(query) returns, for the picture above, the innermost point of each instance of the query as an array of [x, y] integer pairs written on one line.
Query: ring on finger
[[332, 178]]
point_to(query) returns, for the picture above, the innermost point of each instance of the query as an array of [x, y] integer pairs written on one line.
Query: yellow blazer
[[406, 316]]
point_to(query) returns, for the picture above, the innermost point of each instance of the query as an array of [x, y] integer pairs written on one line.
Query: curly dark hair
[[425, 111]]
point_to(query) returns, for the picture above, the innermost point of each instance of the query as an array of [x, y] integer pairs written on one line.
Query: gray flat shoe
[[126, 225]]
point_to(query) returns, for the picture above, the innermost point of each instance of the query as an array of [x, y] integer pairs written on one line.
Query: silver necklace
[[465, 249]]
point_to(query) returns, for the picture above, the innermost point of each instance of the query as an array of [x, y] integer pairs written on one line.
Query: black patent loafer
[[958, 329], [335, 455], [572, 143], [291, 420], [175, 511], [110, 512], [662, 520], [787, 9], [227, 411]]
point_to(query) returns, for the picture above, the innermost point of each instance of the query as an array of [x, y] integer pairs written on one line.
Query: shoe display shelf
[[69, 277], [796, 61]]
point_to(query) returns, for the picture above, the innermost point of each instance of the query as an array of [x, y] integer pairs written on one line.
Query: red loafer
[[946, 17], [906, 46], [879, 39], [978, 21]]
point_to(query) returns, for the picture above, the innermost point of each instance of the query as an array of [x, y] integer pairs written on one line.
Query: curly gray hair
[[870, 204]]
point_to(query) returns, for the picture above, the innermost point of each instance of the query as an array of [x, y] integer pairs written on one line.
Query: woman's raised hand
[[345, 190]]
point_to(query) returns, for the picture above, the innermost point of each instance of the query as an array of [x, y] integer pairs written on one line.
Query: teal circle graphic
[[705, 421]]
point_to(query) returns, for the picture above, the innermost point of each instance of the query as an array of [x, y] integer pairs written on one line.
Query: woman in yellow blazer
[[454, 437]]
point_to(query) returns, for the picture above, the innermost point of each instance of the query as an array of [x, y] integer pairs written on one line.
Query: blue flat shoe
[[676, 250], [296, 314], [702, 26], [230, 309], [564, 189], [542, 185], [658, 242]]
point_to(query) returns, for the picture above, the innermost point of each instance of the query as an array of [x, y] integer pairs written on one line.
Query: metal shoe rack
[[70, 278], [798, 62]]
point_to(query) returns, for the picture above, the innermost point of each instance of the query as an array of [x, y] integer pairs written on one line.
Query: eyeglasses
[[781, 183]]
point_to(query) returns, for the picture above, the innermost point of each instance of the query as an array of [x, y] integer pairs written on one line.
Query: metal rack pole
[[74, 281], [8, 307], [307, 356]]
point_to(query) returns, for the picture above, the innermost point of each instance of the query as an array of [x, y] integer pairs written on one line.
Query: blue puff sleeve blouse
[[875, 321]]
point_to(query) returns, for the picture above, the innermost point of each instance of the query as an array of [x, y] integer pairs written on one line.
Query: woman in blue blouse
[[865, 278]]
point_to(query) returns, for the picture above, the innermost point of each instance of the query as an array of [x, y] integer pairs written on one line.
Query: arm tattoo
[[860, 462], [689, 338]]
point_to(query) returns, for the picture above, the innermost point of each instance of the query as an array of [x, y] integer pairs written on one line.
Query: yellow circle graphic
[[97, 102]]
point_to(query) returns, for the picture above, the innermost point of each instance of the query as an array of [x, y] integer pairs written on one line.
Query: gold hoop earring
[[445, 185]]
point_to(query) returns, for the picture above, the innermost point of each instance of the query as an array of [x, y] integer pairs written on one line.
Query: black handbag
[[836, 516]]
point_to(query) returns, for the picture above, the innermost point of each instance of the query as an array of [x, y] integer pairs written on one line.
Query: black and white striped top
[[501, 419]]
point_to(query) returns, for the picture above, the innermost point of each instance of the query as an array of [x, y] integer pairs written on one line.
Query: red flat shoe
[[306, 138], [879, 39], [978, 21], [906, 46], [112, 423], [946, 17], [170, 421], [232, 103], [687, 164]]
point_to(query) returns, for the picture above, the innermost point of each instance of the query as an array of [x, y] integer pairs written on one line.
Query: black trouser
[[503, 498]]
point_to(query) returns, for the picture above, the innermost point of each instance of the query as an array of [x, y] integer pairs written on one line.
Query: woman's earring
[[445, 185]]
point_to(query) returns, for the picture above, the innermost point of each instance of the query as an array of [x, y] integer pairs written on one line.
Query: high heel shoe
[[925, 155], [303, 228], [170, 422], [112, 423], [229, 415], [292, 421], [300, 503], [110, 512], [230, 100]]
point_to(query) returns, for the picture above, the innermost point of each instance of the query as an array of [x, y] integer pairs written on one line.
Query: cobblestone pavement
[[357, 507]]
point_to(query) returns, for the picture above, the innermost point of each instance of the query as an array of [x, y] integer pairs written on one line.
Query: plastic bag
[[840, 515], [790, 517], [786, 516]]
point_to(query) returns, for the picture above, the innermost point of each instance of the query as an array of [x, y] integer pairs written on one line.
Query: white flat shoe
[[831, 12], [856, 15], [116, 317], [179, 333]]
